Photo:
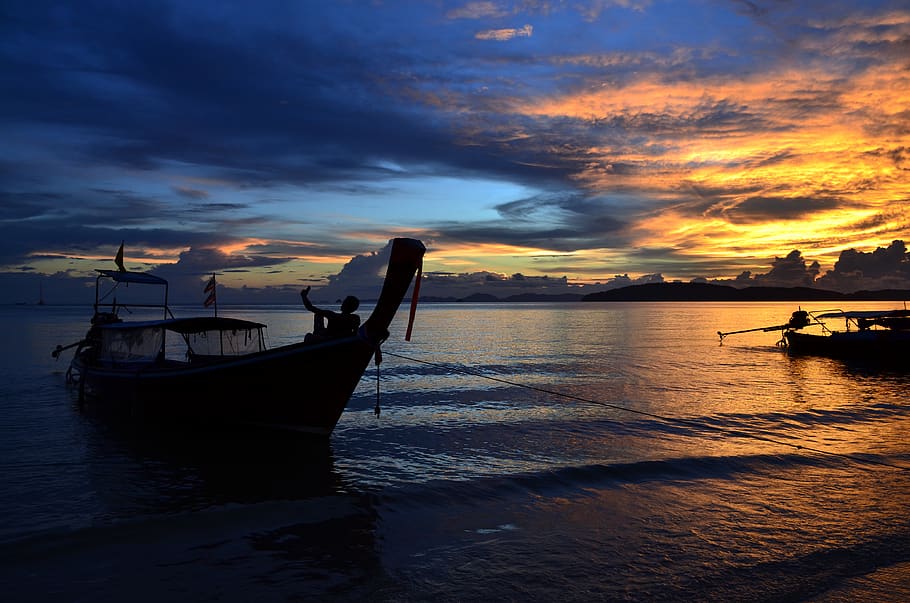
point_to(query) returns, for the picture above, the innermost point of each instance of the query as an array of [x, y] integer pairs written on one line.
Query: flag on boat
[[118, 259], [210, 289]]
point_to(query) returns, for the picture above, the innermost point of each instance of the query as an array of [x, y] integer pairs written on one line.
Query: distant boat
[[222, 371], [876, 335], [40, 294]]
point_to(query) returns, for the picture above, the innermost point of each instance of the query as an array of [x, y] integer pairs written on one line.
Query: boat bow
[[404, 261]]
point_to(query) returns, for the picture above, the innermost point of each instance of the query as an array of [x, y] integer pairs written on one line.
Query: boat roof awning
[[866, 314], [123, 276], [187, 326]]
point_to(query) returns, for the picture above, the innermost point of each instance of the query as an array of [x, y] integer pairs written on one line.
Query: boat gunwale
[[158, 369], [186, 326]]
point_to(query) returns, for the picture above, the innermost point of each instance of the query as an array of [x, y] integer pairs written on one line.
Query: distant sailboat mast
[[40, 294]]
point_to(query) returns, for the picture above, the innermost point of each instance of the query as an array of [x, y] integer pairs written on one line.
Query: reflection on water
[[676, 468], [174, 470], [265, 508]]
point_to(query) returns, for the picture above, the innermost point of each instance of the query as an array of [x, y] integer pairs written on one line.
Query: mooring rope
[[663, 418]]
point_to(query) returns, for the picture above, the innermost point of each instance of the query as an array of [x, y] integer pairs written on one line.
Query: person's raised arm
[[304, 295]]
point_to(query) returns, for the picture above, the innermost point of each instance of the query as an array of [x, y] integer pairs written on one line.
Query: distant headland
[[690, 292], [709, 292]]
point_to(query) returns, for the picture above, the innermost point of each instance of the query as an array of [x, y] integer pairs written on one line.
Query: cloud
[[717, 135], [789, 271], [362, 277], [504, 35], [477, 10], [763, 209], [884, 268], [191, 193], [465, 284], [555, 222]]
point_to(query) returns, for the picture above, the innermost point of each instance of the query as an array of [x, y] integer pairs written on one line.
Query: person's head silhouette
[[350, 304]]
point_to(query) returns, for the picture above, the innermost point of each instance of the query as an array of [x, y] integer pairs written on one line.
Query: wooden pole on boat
[[378, 358], [215, 294], [211, 289]]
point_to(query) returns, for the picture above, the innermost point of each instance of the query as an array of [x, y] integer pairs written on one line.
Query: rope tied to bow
[[378, 358]]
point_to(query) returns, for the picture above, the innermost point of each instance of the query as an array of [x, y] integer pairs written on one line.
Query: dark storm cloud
[[24, 206], [505, 233], [602, 232], [881, 262], [884, 268], [205, 208], [191, 193], [261, 104], [265, 103], [676, 261], [561, 222], [790, 271], [59, 209], [762, 209], [82, 223]]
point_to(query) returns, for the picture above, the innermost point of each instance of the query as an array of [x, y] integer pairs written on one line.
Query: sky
[[532, 145]]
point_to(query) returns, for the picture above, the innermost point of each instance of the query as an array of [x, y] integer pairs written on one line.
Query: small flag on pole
[[119, 258], [210, 289]]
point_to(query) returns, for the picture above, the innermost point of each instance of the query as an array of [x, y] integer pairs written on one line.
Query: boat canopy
[[122, 276], [896, 320], [203, 336], [195, 324], [858, 314]]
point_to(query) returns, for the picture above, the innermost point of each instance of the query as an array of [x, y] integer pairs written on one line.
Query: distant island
[[482, 298], [687, 292], [709, 292]]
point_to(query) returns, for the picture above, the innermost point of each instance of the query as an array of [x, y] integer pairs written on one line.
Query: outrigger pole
[[765, 329], [798, 320]]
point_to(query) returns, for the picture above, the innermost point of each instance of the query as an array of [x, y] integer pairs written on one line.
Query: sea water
[[585, 451]]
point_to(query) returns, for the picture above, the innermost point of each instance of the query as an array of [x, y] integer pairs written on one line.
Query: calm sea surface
[[524, 452]]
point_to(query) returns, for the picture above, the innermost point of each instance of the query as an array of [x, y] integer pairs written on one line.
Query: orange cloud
[[503, 35], [795, 134], [476, 10]]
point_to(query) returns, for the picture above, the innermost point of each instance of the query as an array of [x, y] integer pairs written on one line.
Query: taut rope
[[665, 419]]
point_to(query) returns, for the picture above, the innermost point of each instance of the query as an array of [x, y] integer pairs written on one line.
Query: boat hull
[[302, 387], [874, 344]]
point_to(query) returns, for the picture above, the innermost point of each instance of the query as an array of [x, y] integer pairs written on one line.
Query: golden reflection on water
[[742, 399], [658, 360]]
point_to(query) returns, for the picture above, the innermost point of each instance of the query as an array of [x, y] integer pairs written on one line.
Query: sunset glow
[[686, 139]]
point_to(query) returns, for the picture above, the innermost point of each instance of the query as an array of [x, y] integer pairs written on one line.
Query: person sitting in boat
[[328, 324]]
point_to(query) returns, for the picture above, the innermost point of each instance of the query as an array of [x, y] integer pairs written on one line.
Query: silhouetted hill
[[522, 297], [882, 295], [544, 297], [687, 292], [480, 297], [709, 292]]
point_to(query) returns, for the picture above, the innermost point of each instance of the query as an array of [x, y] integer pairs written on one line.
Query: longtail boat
[[874, 335], [212, 369]]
